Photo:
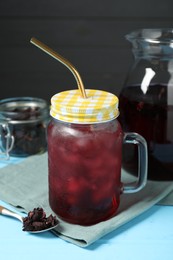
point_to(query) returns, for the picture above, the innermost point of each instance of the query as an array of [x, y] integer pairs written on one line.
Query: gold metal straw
[[64, 61]]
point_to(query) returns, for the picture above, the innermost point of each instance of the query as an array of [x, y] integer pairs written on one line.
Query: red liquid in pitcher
[[84, 170], [151, 115]]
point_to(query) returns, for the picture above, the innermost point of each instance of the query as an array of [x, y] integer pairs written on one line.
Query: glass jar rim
[[153, 35], [9, 105]]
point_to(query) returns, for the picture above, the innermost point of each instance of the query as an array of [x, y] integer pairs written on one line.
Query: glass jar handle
[[136, 139], [4, 150]]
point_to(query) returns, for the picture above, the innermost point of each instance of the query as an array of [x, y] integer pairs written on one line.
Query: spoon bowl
[[6, 212]]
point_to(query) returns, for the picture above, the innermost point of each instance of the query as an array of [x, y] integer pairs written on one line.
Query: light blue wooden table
[[148, 236]]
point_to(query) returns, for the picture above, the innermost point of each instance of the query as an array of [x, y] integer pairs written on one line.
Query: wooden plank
[[45, 85], [62, 32], [90, 35], [86, 60], [29, 72], [74, 33], [89, 8]]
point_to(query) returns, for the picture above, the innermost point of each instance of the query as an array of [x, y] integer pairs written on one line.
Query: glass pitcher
[[146, 100]]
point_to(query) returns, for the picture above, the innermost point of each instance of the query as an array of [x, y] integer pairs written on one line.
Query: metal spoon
[[10, 213]]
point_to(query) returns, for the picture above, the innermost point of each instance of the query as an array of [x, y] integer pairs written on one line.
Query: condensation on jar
[[84, 156]]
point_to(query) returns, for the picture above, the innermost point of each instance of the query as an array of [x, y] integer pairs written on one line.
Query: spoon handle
[[7, 212]]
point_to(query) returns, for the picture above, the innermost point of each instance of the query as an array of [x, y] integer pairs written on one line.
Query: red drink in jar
[[85, 168], [84, 164]]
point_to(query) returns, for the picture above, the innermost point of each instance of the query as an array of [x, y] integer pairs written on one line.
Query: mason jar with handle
[[85, 142]]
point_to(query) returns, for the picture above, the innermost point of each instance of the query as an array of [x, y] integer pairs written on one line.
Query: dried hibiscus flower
[[37, 220]]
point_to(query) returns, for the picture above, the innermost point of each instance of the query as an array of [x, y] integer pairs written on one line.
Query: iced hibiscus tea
[[84, 170]]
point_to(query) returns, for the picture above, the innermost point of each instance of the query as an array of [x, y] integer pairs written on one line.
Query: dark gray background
[[88, 33]]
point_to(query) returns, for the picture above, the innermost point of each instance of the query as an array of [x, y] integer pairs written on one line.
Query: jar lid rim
[[99, 106]]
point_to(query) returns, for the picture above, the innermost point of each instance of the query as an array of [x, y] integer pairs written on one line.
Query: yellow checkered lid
[[99, 106]]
